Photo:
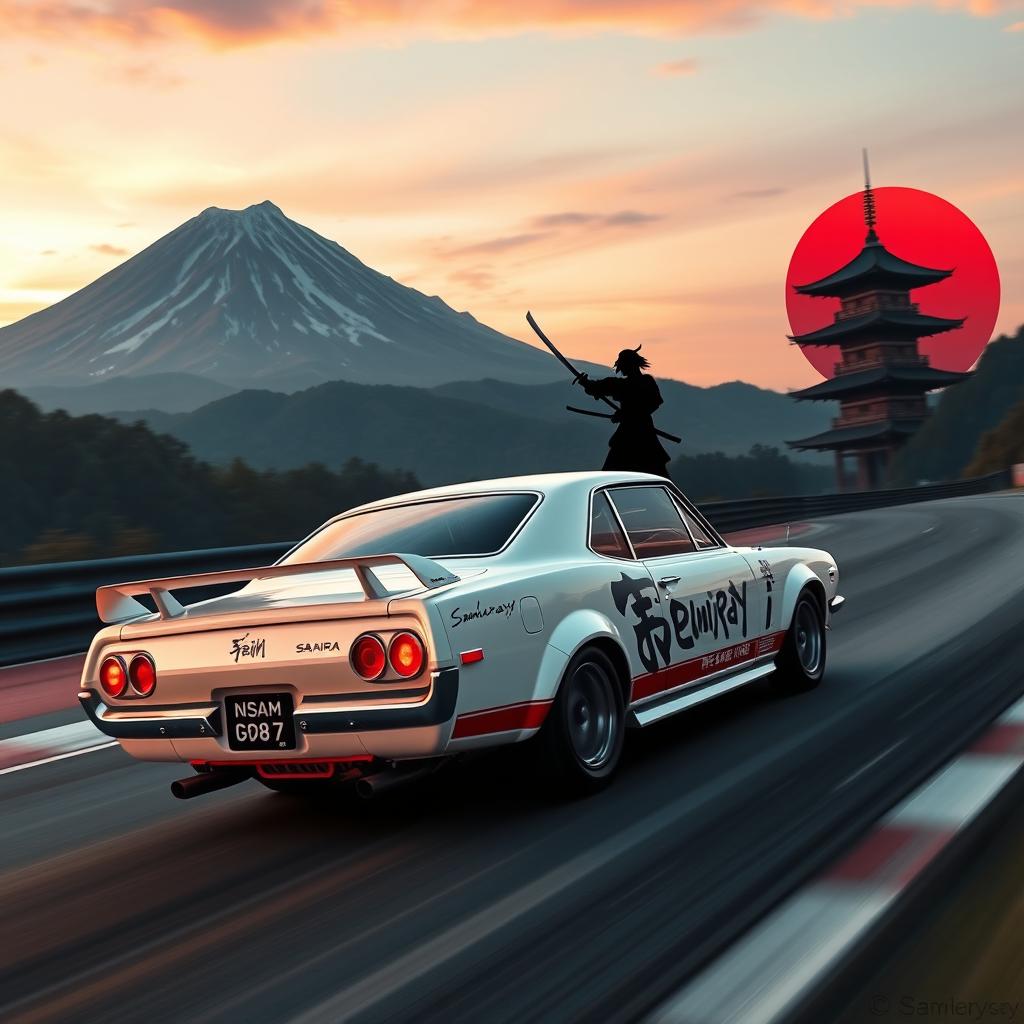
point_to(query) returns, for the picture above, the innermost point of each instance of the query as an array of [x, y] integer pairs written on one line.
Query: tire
[[801, 662], [581, 739]]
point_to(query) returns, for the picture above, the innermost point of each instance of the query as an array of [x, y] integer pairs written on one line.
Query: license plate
[[260, 721]]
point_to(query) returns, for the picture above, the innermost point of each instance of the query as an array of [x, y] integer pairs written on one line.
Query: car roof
[[548, 484]]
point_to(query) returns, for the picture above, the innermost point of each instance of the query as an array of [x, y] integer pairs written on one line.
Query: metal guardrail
[[50, 610], [752, 512]]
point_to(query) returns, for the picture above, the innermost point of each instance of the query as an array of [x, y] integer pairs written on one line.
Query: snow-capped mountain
[[251, 297]]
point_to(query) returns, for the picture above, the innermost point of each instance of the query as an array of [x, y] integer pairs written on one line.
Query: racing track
[[467, 900]]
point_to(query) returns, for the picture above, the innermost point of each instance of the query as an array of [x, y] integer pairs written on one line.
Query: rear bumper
[[205, 722]]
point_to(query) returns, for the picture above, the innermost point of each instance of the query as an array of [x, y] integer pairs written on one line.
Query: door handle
[[668, 581]]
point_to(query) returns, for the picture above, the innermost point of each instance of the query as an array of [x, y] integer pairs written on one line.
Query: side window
[[652, 521], [606, 536], [699, 534]]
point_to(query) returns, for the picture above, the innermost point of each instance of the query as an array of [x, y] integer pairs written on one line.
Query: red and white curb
[[768, 973], [47, 745]]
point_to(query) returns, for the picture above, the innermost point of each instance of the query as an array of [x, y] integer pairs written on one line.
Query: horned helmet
[[629, 360]]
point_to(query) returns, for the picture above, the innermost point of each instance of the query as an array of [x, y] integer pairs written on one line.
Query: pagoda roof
[[873, 267], [907, 378], [907, 321], [843, 437]]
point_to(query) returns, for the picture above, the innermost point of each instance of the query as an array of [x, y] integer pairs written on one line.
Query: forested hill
[[1002, 447], [944, 447], [472, 430], [87, 486]]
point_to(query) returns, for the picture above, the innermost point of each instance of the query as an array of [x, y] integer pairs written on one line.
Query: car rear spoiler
[[116, 603]]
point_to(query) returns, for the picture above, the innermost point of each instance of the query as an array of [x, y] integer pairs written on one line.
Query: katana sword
[[577, 376], [591, 412]]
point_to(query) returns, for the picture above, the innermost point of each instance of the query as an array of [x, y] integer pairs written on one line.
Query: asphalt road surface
[[475, 898]]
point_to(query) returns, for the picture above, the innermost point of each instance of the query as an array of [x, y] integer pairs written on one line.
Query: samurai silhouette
[[634, 445], [634, 395]]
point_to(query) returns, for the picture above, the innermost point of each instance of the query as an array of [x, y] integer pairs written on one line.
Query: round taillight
[[406, 655], [368, 657], [113, 676], [142, 673]]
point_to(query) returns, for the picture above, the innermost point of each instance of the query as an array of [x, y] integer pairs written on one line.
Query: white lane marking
[[867, 767], [761, 977], [957, 793], [1014, 715], [912, 711], [63, 739], [57, 739], [57, 757]]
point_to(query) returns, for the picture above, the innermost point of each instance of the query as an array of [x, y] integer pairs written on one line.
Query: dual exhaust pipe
[[207, 782], [371, 786]]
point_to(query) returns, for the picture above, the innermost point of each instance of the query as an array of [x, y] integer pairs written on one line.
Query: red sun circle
[[919, 227]]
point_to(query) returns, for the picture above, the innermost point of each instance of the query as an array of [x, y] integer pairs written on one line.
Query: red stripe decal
[[696, 668], [528, 715]]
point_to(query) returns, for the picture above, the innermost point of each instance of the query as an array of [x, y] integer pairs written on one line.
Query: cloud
[[218, 21], [1017, 26], [48, 252], [106, 249], [150, 75], [630, 218], [574, 218], [567, 219], [677, 68], [496, 245], [480, 278], [758, 193], [241, 22], [540, 229]]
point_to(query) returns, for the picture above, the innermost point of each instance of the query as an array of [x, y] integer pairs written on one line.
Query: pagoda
[[881, 378]]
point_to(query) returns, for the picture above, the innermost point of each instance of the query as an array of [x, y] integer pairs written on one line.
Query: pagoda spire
[[870, 216]]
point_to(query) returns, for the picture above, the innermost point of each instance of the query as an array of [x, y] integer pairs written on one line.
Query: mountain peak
[[247, 296], [266, 208]]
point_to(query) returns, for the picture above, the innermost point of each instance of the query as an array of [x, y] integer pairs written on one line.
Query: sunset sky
[[631, 170]]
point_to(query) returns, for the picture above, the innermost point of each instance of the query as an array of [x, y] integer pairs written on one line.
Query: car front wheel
[[581, 740], [801, 662]]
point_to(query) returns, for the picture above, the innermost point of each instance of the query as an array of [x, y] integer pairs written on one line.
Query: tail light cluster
[[405, 655], [368, 657], [142, 674], [135, 678]]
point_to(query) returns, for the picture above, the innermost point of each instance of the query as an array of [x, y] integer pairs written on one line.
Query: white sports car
[[564, 608]]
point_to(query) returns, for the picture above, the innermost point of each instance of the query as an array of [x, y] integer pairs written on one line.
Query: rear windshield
[[470, 525]]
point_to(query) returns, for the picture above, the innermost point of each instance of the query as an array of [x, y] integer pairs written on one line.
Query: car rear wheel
[[582, 738], [801, 662]]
